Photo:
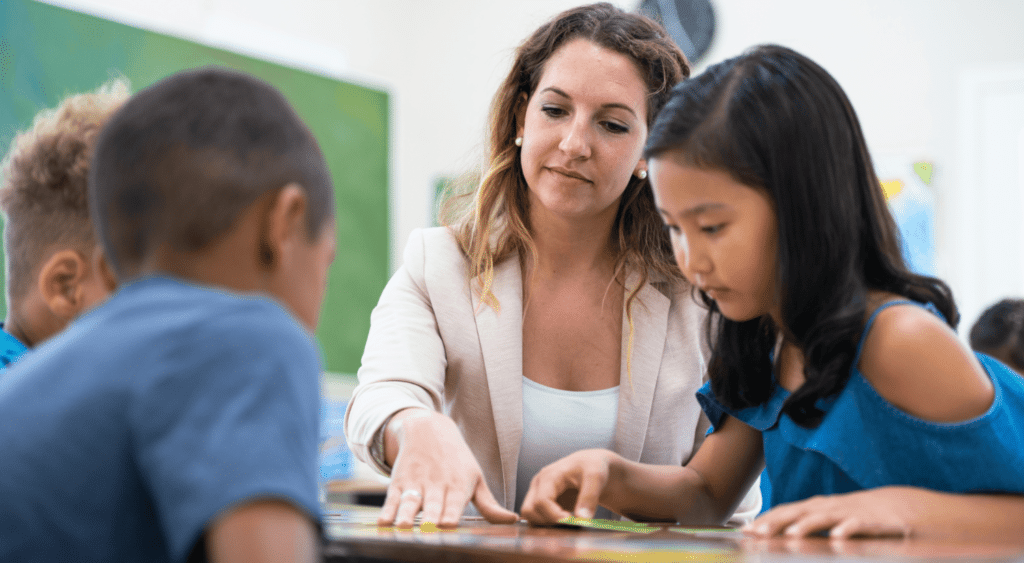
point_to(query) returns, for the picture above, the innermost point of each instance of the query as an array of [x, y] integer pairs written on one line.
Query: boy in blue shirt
[[49, 244], [179, 420]]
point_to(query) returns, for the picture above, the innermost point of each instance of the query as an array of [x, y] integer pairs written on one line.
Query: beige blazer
[[433, 345]]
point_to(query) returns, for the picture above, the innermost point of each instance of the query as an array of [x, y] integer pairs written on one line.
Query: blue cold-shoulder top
[[864, 441]]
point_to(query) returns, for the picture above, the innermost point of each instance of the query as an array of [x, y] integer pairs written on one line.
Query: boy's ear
[[60, 282], [285, 220]]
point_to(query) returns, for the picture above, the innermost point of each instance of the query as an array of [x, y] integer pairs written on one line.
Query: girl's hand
[[435, 471], [885, 511], [584, 473]]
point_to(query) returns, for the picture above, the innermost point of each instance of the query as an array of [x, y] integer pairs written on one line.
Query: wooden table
[[352, 535]]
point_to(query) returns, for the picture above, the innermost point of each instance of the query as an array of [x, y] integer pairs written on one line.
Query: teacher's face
[[583, 132]]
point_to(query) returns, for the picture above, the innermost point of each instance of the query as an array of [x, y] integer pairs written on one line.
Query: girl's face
[[724, 235], [583, 132]]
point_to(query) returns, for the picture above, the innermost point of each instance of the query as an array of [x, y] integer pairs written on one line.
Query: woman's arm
[[705, 491], [404, 361], [401, 390]]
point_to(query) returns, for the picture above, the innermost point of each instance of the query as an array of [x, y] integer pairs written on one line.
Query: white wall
[[904, 64], [900, 62]]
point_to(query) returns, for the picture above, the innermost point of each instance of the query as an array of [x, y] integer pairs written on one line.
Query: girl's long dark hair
[[778, 122]]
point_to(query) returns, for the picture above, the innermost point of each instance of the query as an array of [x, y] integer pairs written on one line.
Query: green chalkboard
[[47, 53]]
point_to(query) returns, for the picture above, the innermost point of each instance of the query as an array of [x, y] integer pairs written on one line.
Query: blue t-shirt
[[864, 441], [124, 436], [10, 348]]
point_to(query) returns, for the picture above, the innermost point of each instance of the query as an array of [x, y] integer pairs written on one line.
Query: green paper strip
[[613, 525], [724, 531]]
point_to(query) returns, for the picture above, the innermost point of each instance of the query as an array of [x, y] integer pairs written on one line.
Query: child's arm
[[259, 531], [897, 511], [918, 364], [705, 491]]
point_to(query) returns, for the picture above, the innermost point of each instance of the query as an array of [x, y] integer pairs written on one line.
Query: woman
[[500, 345]]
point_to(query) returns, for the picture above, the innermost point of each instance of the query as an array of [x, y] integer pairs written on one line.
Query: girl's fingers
[[541, 505], [527, 503], [774, 521], [809, 523], [589, 495], [847, 528], [550, 511], [854, 526], [843, 516]]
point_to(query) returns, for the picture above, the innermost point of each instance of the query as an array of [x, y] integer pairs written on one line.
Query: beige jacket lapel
[[501, 343], [636, 390]]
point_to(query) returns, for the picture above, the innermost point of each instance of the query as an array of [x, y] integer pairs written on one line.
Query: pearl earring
[[642, 174], [519, 141]]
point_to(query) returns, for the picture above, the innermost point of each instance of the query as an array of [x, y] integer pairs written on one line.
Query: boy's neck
[[22, 331], [229, 262], [209, 267]]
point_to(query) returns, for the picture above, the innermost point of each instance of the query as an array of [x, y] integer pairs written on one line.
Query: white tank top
[[557, 423]]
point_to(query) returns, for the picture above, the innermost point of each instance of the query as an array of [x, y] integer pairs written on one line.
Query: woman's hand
[[434, 470], [885, 511], [580, 477]]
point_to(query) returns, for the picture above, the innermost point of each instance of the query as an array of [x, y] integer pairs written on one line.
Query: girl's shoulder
[[915, 361]]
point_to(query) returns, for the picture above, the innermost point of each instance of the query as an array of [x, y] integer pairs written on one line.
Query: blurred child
[[179, 418], [999, 332], [49, 245], [832, 362]]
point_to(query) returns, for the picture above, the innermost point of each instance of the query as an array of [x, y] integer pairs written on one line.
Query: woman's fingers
[[390, 507], [434, 471], [454, 506], [410, 501], [441, 505], [434, 504], [489, 507]]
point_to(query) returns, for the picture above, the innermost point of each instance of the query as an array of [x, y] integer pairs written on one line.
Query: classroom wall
[[902, 62]]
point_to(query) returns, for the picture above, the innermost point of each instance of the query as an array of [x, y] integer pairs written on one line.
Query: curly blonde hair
[[43, 192], [494, 227]]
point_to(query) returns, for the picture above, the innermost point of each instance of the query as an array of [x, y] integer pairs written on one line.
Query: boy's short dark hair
[[186, 156], [999, 331], [44, 195]]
